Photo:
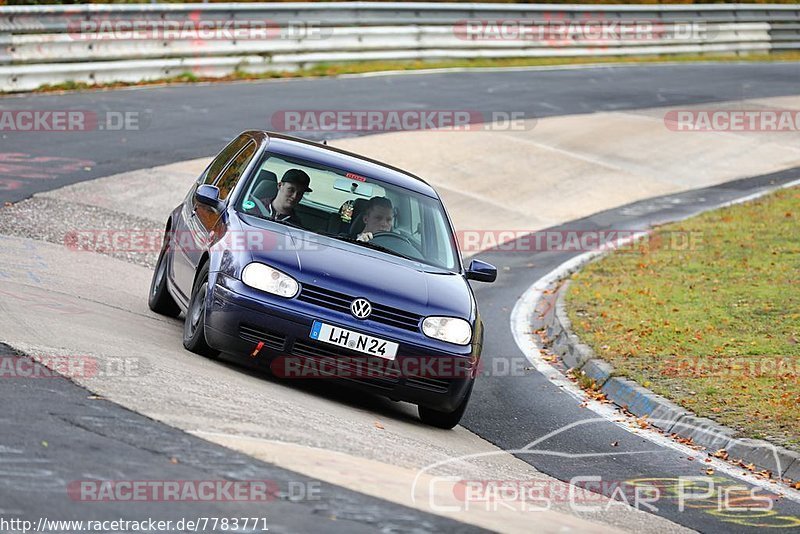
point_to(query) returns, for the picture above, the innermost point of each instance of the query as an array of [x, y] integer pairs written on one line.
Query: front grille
[[272, 340], [346, 364], [341, 302]]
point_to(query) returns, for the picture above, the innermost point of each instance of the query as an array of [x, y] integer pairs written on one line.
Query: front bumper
[[237, 323]]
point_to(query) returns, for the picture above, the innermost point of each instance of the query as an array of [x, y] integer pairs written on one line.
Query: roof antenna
[[325, 142]]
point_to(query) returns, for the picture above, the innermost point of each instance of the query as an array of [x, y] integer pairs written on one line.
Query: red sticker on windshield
[[355, 177]]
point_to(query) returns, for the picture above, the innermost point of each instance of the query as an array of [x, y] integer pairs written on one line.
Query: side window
[[234, 171], [219, 162]]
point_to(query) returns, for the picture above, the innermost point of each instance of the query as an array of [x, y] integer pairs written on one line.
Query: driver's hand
[[364, 236]]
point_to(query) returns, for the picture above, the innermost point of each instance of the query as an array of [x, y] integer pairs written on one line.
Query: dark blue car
[[316, 262]]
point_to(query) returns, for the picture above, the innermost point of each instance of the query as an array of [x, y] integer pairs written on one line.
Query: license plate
[[342, 337]]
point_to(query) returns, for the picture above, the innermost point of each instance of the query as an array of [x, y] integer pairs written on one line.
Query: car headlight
[[271, 280], [448, 329]]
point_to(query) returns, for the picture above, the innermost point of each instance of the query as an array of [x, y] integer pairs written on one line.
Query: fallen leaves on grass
[[716, 332]]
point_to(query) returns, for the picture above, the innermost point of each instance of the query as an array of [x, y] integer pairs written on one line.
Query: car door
[[195, 220]]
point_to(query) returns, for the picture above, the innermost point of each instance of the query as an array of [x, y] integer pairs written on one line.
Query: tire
[[446, 420], [159, 300], [194, 328]]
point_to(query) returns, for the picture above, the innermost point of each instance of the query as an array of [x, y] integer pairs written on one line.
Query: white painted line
[[522, 319]]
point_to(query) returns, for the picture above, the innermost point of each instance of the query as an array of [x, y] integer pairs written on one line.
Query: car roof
[[342, 159]]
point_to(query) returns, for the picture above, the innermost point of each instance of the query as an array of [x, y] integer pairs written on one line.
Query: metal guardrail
[[134, 42]]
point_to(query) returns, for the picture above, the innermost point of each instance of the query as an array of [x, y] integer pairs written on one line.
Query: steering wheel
[[388, 236], [397, 242]]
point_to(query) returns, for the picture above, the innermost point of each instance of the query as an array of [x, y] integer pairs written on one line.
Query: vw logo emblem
[[361, 308]]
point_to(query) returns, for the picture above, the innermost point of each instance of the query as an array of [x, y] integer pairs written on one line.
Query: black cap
[[297, 176]]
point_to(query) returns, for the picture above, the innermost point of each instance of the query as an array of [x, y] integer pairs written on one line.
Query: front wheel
[[194, 328], [446, 420]]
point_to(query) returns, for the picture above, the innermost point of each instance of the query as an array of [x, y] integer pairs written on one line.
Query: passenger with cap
[[292, 187]]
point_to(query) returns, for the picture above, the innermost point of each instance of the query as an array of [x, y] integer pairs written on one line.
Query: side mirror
[[208, 195], [480, 271]]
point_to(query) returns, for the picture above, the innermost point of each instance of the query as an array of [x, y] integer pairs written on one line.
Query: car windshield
[[354, 208]]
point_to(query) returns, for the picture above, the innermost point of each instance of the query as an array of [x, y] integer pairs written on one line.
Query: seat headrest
[[267, 186], [357, 223]]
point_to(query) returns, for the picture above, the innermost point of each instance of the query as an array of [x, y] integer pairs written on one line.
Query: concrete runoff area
[[560, 169], [543, 173]]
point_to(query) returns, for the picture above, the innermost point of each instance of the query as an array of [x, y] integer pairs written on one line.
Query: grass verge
[[323, 70], [714, 326]]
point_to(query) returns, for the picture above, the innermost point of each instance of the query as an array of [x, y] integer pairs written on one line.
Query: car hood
[[358, 271]]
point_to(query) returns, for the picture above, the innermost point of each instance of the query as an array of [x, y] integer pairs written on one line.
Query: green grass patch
[[323, 70], [714, 326]]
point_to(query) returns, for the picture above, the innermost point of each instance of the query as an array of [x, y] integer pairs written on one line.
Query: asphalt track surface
[[185, 122], [79, 437], [178, 123]]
